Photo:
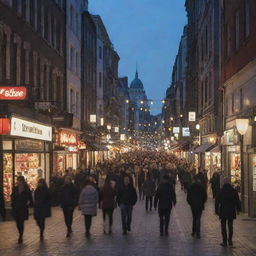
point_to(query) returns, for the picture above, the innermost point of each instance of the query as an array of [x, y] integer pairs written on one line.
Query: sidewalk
[[143, 240]]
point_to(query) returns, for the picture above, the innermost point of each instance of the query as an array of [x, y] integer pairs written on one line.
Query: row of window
[[74, 60], [74, 20], [74, 102], [206, 92], [208, 126]]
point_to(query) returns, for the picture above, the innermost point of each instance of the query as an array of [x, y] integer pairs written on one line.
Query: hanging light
[[141, 102], [127, 101], [198, 126], [109, 127], [242, 125], [152, 102], [163, 101]]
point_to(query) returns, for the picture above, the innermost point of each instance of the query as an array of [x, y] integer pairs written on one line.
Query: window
[[100, 52], [77, 103], [237, 29], [100, 80], [71, 58], [247, 19], [77, 24], [77, 63], [71, 22], [228, 42], [71, 101]]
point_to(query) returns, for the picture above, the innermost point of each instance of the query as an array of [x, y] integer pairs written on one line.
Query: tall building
[[238, 77], [140, 106]]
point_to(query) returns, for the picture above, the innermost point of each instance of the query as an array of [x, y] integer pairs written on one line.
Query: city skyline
[[136, 42]]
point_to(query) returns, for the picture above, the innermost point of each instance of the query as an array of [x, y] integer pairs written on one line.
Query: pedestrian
[[68, 198], [165, 198], [21, 198], [187, 180], [88, 201], [215, 184], [126, 199], [108, 203], [2, 204], [227, 206], [196, 198], [149, 191], [42, 205], [141, 179]]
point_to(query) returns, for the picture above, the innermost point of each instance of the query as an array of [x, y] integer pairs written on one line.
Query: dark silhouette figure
[[165, 198]]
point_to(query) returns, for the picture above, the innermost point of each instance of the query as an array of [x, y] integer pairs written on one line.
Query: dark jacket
[[108, 197], [42, 203], [20, 202], [165, 196], [127, 195], [68, 196], [227, 203], [196, 197], [149, 187]]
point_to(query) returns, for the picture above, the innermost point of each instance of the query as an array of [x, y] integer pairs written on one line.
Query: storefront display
[[254, 173], [235, 170], [8, 176]]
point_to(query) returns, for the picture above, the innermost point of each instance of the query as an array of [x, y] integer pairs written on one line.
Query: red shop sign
[[68, 138], [13, 93], [5, 126]]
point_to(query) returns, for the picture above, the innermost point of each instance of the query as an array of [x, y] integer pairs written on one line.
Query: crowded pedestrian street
[[143, 240]]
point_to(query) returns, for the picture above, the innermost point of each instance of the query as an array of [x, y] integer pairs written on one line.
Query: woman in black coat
[[227, 205], [21, 199], [42, 205]]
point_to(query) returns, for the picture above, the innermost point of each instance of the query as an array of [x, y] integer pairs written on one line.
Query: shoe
[[193, 234], [230, 242], [41, 237], [128, 228], [124, 232], [166, 233], [110, 231], [198, 236], [20, 240], [161, 233], [87, 234], [68, 234], [224, 244]]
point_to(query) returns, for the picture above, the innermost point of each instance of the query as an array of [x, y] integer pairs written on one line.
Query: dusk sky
[[147, 32]]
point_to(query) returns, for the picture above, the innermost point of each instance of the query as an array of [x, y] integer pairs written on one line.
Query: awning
[[203, 148], [215, 149]]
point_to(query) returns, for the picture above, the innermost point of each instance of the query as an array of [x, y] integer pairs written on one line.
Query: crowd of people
[[114, 183]]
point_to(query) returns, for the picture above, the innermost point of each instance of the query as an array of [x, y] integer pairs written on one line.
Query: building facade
[[238, 77]]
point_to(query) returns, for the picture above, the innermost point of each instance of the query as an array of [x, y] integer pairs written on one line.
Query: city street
[[143, 240]]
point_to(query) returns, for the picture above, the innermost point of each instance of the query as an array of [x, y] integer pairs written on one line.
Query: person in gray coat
[[88, 201], [149, 190]]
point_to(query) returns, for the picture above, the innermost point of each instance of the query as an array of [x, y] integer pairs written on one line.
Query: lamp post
[[242, 125]]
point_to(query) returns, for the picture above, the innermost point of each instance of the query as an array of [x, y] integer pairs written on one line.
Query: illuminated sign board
[[192, 116], [176, 129], [23, 128], [185, 132]]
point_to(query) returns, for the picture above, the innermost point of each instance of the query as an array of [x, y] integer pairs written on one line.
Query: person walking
[[42, 205], [187, 180], [68, 198], [196, 198], [149, 190], [227, 206], [2, 204], [88, 201], [126, 199], [165, 198], [108, 203], [141, 179], [21, 198], [215, 184]]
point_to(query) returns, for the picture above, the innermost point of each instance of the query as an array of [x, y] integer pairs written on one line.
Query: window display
[[7, 176], [31, 166], [235, 170]]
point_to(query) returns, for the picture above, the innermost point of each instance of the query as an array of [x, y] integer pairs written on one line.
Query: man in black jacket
[[196, 198], [165, 198], [227, 205], [126, 199]]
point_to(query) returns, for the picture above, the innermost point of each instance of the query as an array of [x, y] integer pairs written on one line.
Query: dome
[[136, 83]]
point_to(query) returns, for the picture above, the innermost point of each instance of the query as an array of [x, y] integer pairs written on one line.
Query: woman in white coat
[[88, 201]]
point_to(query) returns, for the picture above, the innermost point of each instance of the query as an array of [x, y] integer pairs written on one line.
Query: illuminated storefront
[[25, 150]]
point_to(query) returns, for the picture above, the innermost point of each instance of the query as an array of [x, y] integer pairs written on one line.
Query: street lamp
[[198, 126], [242, 125], [109, 127]]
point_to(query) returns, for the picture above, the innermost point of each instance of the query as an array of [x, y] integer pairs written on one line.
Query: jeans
[[224, 229], [164, 215], [109, 213], [126, 212], [196, 221], [149, 199], [68, 215], [88, 223]]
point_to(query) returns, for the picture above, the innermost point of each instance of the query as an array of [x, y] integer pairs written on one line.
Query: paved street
[[143, 240]]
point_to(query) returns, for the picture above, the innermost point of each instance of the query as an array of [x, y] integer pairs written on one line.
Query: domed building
[[139, 102]]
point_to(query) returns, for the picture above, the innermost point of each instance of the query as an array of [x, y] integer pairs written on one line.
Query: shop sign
[[93, 118], [191, 116], [229, 137], [13, 93], [185, 132], [176, 129], [23, 128], [67, 138], [28, 145]]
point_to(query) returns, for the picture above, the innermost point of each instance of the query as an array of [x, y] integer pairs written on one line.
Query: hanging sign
[[185, 132], [176, 129], [67, 138], [13, 93], [192, 116]]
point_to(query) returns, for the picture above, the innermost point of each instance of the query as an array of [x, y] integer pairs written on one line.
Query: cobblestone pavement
[[143, 240]]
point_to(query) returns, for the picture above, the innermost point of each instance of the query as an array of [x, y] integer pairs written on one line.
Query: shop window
[[7, 145], [235, 170], [7, 176]]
